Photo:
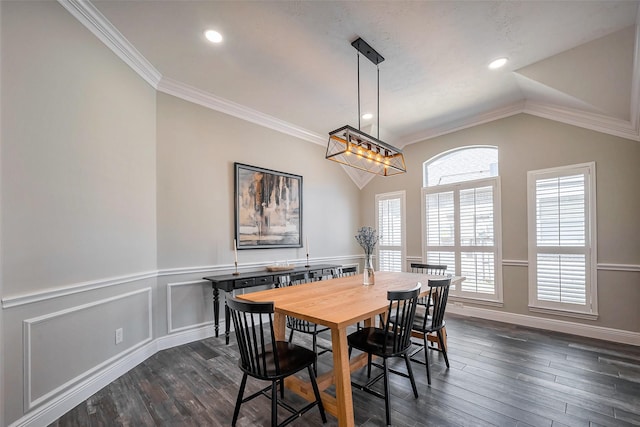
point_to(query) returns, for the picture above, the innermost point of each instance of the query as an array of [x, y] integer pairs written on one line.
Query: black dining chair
[[304, 326], [345, 271], [433, 269], [264, 358], [432, 321], [391, 340]]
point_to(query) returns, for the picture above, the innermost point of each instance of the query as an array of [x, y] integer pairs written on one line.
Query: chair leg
[[387, 408], [274, 404], [291, 336], [236, 411], [443, 347], [369, 365], [411, 378], [282, 388], [426, 358], [316, 392]]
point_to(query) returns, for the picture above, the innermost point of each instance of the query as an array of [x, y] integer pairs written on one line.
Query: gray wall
[[116, 201], [529, 143], [78, 202], [197, 148]]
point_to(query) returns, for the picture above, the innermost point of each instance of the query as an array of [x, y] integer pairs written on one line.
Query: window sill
[[565, 313]]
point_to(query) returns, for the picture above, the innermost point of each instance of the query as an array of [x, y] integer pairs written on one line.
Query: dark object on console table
[[229, 282]]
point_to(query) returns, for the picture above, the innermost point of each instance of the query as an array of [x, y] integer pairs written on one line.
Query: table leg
[[279, 325], [342, 374], [227, 326], [216, 309]]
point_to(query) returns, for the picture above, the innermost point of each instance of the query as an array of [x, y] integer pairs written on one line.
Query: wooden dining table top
[[342, 301]]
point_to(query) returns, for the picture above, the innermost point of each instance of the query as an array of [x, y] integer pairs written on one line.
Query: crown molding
[[90, 17], [208, 100], [583, 119], [467, 122]]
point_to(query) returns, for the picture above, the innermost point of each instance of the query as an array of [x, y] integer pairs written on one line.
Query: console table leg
[[226, 323], [216, 309]]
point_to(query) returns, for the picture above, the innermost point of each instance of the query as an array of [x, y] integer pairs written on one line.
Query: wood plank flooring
[[501, 375]]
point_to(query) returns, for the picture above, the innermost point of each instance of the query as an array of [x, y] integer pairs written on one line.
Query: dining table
[[337, 304]]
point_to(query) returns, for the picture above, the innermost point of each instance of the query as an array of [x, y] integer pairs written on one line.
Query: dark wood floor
[[500, 374]]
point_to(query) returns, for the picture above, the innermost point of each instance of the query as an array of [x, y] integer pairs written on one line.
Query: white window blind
[[461, 231], [561, 239], [390, 220]]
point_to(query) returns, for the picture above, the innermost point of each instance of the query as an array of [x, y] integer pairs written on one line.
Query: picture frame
[[268, 208]]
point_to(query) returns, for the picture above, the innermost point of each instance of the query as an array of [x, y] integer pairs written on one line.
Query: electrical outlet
[[119, 335]]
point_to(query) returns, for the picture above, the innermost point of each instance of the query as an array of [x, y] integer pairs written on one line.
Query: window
[[562, 256], [461, 164], [391, 226], [461, 219]]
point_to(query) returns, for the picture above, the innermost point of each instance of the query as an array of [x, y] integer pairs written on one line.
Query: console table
[[229, 282]]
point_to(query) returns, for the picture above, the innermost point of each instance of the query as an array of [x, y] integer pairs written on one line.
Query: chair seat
[[420, 325], [292, 359], [371, 340]]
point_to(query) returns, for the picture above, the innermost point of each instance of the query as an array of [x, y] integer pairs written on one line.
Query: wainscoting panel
[[189, 305], [86, 335]]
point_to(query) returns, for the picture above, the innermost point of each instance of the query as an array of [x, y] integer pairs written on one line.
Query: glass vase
[[368, 276]]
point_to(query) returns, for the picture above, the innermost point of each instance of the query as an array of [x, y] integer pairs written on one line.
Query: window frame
[[403, 223], [456, 292], [590, 309]]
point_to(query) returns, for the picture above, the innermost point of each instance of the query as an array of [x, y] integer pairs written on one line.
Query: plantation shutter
[[390, 216], [562, 260], [461, 232], [477, 259], [440, 229], [560, 223]]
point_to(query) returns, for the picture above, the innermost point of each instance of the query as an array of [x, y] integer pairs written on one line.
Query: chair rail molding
[[12, 301]]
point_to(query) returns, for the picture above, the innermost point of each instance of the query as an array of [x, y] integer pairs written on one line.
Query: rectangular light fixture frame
[[357, 149]]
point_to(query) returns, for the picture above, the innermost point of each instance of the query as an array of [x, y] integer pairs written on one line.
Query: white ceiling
[[290, 64]]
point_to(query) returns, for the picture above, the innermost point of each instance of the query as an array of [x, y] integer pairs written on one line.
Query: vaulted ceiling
[[290, 66]]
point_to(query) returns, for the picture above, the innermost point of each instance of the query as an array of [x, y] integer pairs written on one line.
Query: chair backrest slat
[[402, 308], [253, 324], [293, 322], [437, 269], [345, 271], [438, 296]]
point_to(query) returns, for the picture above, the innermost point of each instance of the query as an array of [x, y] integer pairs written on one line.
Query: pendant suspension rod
[[358, 91], [378, 113]]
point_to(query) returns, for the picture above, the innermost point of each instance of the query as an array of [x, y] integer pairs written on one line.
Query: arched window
[[461, 219], [461, 164]]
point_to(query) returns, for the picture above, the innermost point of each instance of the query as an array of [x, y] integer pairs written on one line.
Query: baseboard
[[60, 405], [580, 329]]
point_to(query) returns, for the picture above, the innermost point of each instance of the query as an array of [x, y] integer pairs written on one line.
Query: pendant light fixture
[[354, 148]]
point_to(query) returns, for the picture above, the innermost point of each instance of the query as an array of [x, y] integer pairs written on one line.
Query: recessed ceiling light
[[367, 116], [213, 36], [497, 63]]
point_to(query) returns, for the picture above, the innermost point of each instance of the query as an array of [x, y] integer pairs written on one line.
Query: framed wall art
[[268, 208]]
